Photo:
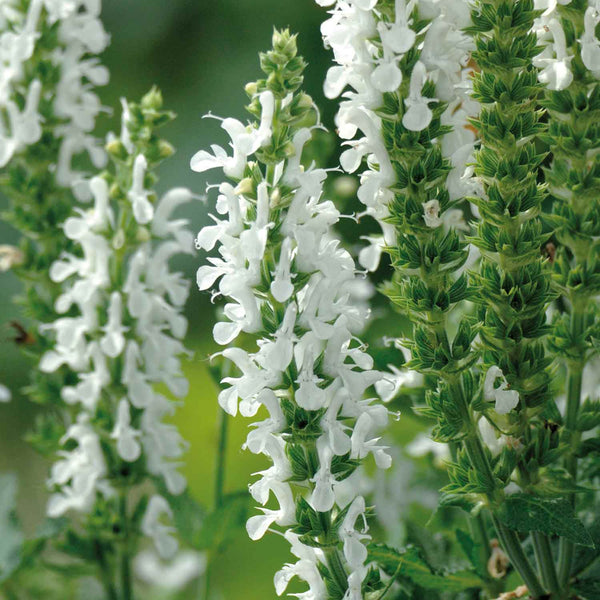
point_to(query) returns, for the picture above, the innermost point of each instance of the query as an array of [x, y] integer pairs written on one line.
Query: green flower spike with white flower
[[514, 283], [48, 110], [289, 284], [573, 179], [117, 338]]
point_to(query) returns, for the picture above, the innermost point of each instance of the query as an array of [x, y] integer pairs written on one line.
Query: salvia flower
[[288, 282], [371, 44], [121, 331], [79, 35]]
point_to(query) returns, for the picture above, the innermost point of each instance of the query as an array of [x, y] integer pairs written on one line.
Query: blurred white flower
[[152, 526], [5, 394], [172, 575]]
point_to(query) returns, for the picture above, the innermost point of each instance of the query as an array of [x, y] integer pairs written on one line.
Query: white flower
[[422, 445], [173, 575], [556, 73], [113, 341], [79, 473], [431, 213], [128, 446], [590, 45], [5, 395], [165, 543], [143, 210], [418, 115], [506, 400]]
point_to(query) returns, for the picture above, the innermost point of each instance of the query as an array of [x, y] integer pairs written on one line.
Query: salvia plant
[[407, 310]]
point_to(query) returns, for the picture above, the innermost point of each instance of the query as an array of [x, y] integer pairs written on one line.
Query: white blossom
[[121, 337], [5, 394], [80, 35], [152, 526], [505, 399], [367, 49], [332, 371], [172, 575]]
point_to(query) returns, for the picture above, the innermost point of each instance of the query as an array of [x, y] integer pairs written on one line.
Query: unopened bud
[[143, 235], [251, 89], [116, 149], [118, 240], [245, 186], [165, 150], [152, 100]]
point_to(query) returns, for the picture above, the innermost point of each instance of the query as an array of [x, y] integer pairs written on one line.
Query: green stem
[[512, 546], [574, 385], [126, 582], [545, 560], [336, 567], [220, 461], [206, 591], [105, 574], [480, 462], [223, 424]]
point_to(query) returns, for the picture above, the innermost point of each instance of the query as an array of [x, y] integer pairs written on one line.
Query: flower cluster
[[48, 110], [121, 331], [65, 34], [288, 282], [381, 48]]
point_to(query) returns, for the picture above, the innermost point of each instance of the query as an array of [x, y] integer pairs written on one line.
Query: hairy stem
[[574, 384], [512, 545], [545, 560]]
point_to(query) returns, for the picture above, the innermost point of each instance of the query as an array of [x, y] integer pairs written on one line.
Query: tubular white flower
[[80, 36], [554, 61], [368, 45], [123, 341], [505, 399], [286, 277]]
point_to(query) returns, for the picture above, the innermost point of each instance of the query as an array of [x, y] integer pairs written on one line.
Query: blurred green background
[[200, 53]]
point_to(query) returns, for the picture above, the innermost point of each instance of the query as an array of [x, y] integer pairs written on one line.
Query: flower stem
[[512, 546], [574, 385], [480, 462], [223, 424], [220, 462], [545, 560], [336, 567], [126, 583], [105, 574]]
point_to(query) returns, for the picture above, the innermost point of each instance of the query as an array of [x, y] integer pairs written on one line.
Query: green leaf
[[11, 536], [473, 551], [189, 517], [410, 564], [523, 512], [223, 523], [588, 589], [586, 556]]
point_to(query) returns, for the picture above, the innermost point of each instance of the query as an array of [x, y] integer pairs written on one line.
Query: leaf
[[586, 556], [472, 550], [410, 564], [189, 517], [588, 589], [523, 512], [11, 537], [223, 523]]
